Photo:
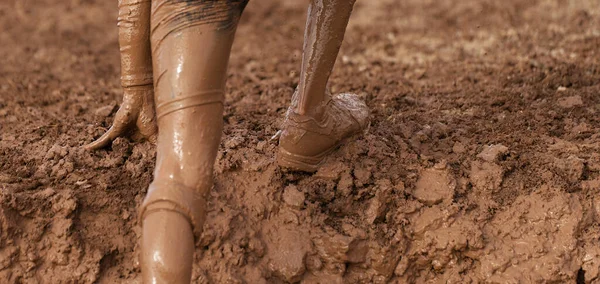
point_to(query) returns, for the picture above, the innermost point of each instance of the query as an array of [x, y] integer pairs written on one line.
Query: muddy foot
[[305, 142]]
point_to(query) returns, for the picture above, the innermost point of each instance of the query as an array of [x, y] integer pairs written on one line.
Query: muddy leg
[[136, 114], [317, 123], [191, 42], [323, 37]]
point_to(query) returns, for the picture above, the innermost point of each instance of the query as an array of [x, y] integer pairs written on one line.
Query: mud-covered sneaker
[[304, 142]]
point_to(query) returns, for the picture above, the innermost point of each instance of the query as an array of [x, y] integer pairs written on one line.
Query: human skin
[[325, 27], [136, 114], [190, 43]]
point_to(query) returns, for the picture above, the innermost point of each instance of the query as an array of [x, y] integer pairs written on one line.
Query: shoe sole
[[311, 164], [296, 162]]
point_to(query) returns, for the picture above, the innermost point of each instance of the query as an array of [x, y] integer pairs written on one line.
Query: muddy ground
[[482, 163]]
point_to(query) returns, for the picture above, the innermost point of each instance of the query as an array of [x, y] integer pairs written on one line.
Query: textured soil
[[482, 163]]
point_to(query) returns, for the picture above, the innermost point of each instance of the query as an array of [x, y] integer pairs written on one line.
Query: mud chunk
[[61, 227], [288, 263], [458, 148], [344, 185], [260, 146], [62, 169], [434, 186], [7, 256], [46, 193], [597, 208], [125, 214], [293, 197], [486, 176], [105, 111], [571, 168], [592, 185], [440, 130], [256, 245], [234, 142], [7, 137], [591, 264], [122, 147], [341, 249], [439, 238], [357, 251], [313, 263], [378, 204], [287, 248], [593, 163], [493, 153], [401, 267], [66, 205], [331, 171], [536, 229], [362, 176], [384, 260], [430, 219], [580, 128], [289, 217], [375, 210], [569, 102], [56, 151], [353, 231]]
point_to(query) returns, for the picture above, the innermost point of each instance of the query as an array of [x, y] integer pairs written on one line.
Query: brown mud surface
[[482, 163]]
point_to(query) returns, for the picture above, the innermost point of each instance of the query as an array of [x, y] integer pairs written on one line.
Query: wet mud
[[482, 162]]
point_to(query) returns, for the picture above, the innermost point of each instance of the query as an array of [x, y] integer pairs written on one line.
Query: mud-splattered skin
[[171, 16], [196, 12], [191, 42], [137, 110], [137, 114], [185, 45]]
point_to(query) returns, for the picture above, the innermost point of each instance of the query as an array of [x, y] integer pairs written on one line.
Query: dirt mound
[[482, 163]]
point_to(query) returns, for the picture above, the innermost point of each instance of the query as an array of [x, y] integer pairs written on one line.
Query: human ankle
[[167, 248]]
